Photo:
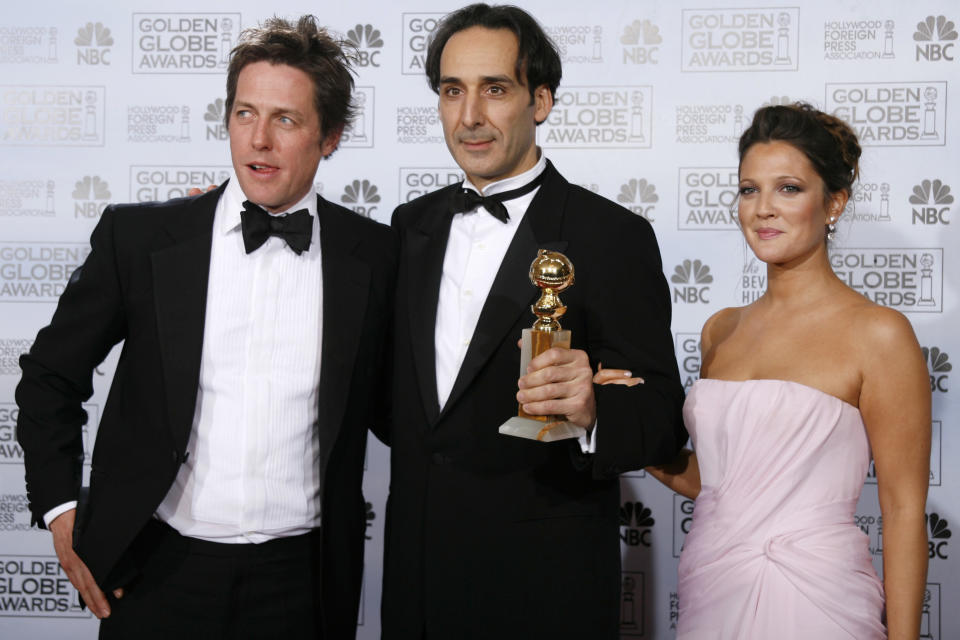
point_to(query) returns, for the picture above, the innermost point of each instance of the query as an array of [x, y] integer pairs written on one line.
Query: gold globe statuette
[[552, 272]]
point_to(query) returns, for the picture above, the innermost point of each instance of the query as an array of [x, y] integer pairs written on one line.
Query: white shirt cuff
[[588, 441], [53, 513]]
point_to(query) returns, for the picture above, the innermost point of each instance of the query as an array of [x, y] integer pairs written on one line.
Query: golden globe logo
[[417, 181], [158, 183], [417, 29], [707, 198], [37, 587], [38, 271], [687, 351], [682, 522], [186, 43], [10, 451], [891, 114], [52, 115], [599, 117], [749, 39], [908, 280]]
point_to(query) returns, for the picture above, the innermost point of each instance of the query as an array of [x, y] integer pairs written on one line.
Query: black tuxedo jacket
[[145, 283], [492, 536]]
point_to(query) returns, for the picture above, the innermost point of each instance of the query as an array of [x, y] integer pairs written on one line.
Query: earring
[[831, 228]]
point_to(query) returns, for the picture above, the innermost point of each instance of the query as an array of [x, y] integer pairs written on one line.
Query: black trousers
[[189, 588]]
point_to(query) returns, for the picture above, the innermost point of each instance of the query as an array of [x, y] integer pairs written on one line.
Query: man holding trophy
[[490, 535]]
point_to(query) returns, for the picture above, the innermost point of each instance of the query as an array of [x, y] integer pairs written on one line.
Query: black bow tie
[[257, 225], [468, 200]]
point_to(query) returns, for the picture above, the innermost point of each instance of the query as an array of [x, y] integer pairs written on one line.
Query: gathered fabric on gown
[[773, 551]]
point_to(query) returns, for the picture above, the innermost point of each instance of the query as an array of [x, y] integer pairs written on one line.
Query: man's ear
[[329, 144], [542, 103]]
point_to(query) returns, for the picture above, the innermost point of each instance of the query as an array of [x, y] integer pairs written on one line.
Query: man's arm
[[57, 379], [629, 320]]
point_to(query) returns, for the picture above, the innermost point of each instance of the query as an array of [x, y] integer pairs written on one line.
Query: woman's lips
[[767, 233]]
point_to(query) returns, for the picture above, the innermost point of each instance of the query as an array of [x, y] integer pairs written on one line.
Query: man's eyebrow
[[500, 79]]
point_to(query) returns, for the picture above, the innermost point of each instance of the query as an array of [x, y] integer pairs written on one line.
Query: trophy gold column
[[552, 272]]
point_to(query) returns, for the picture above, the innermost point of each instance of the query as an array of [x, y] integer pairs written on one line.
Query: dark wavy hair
[[827, 141], [309, 48], [538, 62]]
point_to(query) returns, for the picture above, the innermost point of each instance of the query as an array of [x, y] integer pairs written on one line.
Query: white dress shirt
[[252, 473], [476, 247]]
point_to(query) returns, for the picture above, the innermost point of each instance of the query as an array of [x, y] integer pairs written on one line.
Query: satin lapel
[[181, 271], [346, 285], [425, 250], [512, 293]]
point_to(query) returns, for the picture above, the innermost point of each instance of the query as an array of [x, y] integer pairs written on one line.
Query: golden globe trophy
[[552, 272]]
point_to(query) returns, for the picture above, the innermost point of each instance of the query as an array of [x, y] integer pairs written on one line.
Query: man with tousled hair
[[225, 486], [491, 536]]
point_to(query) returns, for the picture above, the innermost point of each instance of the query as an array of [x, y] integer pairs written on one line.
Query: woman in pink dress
[[795, 392]]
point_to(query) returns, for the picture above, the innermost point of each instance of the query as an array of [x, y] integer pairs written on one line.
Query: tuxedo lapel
[[512, 293], [181, 271], [346, 285], [426, 247]]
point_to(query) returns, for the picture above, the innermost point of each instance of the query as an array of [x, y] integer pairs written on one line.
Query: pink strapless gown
[[773, 551]]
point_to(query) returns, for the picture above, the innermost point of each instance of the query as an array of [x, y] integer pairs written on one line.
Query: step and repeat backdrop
[[124, 102]]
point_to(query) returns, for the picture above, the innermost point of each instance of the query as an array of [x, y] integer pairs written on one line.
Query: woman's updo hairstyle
[[827, 141]]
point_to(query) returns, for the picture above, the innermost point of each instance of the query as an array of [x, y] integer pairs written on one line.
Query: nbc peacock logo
[[935, 36], [91, 195], [93, 42], [361, 196], [932, 196], [939, 365], [368, 42], [636, 521], [641, 40], [639, 196], [214, 119], [939, 535], [693, 278]]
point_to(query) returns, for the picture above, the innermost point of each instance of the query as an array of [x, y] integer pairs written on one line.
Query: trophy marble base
[[542, 428]]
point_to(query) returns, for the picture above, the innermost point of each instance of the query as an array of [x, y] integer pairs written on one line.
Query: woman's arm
[[682, 475], [895, 404]]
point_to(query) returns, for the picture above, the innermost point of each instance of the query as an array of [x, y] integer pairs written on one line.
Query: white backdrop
[[124, 103]]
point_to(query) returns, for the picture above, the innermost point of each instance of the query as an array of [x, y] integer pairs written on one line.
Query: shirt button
[[480, 246], [466, 342], [467, 293]]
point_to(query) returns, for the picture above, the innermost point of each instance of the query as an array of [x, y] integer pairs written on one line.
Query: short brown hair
[[309, 48]]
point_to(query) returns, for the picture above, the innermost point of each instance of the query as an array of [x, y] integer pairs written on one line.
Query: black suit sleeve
[[629, 307], [381, 393], [58, 374]]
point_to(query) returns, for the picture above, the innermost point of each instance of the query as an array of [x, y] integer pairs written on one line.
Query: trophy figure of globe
[[552, 272]]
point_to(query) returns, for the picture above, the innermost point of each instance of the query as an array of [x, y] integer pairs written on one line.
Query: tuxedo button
[[441, 459]]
